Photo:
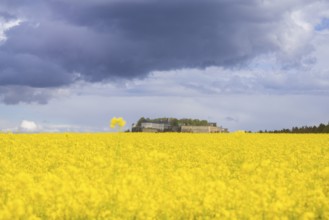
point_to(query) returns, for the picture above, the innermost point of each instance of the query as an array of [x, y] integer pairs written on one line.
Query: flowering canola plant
[[164, 176], [117, 122]]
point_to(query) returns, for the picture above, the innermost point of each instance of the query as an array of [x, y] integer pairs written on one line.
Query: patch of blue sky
[[323, 25]]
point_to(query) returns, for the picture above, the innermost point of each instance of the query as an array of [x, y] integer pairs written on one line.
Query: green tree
[[140, 121], [174, 122]]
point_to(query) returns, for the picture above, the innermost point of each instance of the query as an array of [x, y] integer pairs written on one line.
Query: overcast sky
[[245, 64]]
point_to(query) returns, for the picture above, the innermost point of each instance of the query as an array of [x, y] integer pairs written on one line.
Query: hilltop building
[[155, 127], [200, 129], [166, 126]]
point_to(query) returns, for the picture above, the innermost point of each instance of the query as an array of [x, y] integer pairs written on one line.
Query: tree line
[[174, 121], [321, 128]]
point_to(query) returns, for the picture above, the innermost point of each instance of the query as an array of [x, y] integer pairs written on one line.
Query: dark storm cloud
[[28, 69], [124, 39], [164, 35], [12, 95]]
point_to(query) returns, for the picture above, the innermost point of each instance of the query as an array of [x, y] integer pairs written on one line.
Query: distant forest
[[174, 121], [321, 128]]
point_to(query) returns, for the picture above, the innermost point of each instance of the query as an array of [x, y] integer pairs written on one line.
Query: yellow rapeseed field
[[164, 176]]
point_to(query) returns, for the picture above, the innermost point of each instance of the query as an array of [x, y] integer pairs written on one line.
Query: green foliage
[[174, 121], [321, 128], [141, 120]]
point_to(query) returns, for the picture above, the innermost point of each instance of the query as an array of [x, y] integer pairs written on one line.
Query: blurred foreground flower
[[117, 122]]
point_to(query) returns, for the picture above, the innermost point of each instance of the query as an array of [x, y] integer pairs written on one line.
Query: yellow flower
[[120, 122], [164, 176]]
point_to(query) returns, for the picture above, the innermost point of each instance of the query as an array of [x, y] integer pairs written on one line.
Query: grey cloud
[[216, 81], [108, 40], [6, 16], [130, 39], [28, 69], [12, 95]]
